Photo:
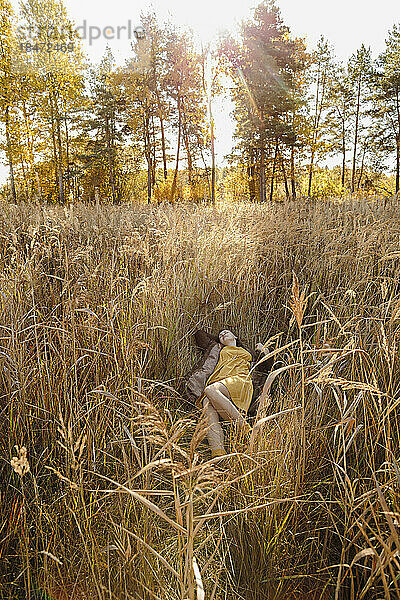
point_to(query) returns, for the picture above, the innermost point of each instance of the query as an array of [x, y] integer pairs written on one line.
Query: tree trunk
[[262, 174], [110, 159], [173, 187], [149, 180], [208, 94], [115, 177], [284, 175], [398, 142], [321, 84], [39, 186], [147, 153], [55, 120], [250, 174], [314, 135], [160, 116], [343, 151], [206, 170], [164, 155], [60, 156], [353, 174], [153, 152], [212, 159], [9, 155], [271, 191], [188, 154], [361, 170], [310, 175], [53, 136], [292, 174], [26, 182], [67, 151], [29, 139]]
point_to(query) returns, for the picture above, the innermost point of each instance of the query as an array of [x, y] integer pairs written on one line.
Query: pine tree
[[184, 87], [337, 124], [102, 131], [386, 99], [262, 66], [359, 70], [211, 73], [322, 74], [8, 90]]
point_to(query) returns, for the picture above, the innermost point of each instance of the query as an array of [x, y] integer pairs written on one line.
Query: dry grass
[[97, 310]]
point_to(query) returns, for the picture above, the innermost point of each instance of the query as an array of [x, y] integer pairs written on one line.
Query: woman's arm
[[260, 373], [258, 354]]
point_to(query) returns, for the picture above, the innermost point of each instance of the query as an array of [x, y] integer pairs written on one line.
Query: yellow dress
[[232, 369]]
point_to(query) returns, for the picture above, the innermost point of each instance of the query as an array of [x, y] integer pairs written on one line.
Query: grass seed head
[[20, 463]]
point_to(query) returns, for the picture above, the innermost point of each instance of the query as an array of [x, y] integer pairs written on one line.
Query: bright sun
[[208, 17]]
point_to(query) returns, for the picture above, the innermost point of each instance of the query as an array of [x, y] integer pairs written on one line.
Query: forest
[[305, 124]]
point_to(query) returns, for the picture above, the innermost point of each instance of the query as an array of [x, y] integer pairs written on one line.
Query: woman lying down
[[228, 391]]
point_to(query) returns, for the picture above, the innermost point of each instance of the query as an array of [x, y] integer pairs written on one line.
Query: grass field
[[116, 497]]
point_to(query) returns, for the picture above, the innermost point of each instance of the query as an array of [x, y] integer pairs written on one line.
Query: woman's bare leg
[[219, 397], [215, 434]]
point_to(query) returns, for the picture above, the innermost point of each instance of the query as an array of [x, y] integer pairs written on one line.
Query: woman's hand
[[261, 348]]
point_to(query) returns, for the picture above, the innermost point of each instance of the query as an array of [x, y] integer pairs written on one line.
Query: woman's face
[[226, 337]]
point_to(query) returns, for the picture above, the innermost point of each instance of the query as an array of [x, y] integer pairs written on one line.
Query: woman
[[228, 391]]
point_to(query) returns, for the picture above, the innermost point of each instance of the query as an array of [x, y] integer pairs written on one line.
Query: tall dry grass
[[110, 492]]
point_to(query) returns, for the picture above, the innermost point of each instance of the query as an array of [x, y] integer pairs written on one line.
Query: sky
[[345, 23]]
